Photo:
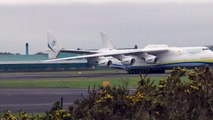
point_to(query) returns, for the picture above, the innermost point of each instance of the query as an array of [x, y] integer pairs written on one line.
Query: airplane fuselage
[[153, 58], [188, 57]]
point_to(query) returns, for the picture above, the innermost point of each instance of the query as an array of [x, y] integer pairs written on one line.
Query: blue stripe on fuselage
[[165, 66]]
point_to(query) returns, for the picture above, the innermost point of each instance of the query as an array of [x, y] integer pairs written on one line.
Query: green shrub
[[172, 99]]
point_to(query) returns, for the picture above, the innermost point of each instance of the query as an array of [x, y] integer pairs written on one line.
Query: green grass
[[71, 82], [69, 72], [18, 116]]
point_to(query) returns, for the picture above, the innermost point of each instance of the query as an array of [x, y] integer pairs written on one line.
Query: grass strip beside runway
[[74, 72], [71, 82]]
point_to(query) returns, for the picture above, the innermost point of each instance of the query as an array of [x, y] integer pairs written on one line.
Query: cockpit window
[[205, 49]]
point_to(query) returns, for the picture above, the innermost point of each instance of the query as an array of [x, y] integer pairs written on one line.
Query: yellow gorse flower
[[187, 91], [194, 87], [135, 98], [106, 97], [67, 115]]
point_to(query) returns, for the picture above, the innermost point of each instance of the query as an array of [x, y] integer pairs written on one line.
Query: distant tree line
[[6, 53]]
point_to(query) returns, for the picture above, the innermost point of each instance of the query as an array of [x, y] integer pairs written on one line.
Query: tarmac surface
[[59, 75], [37, 100]]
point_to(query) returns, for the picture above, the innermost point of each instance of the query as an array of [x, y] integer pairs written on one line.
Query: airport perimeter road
[[37, 100]]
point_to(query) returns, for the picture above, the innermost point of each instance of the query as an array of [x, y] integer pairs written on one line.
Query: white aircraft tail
[[53, 45], [107, 41]]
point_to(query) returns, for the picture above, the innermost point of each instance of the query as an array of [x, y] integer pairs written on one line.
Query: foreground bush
[[56, 113], [171, 99]]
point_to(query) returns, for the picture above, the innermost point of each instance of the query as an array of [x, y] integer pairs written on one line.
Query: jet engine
[[105, 63], [128, 61], [151, 59]]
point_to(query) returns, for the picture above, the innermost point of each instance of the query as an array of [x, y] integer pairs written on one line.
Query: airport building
[[34, 63], [16, 62]]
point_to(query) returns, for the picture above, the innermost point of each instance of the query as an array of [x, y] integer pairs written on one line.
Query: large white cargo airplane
[[151, 59]]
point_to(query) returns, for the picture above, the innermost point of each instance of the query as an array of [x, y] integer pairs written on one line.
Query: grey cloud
[[78, 25]]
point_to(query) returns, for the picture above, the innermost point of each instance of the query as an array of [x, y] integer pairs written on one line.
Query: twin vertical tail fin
[[107, 41], [53, 45], [55, 48]]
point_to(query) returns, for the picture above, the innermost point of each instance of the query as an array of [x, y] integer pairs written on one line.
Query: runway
[[37, 76], [37, 100], [59, 75]]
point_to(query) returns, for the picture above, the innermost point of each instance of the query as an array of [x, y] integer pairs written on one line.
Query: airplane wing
[[113, 53], [78, 51]]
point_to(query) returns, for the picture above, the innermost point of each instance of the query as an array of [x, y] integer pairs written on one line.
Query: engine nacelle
[[151, 59], [105, 63], [128, 61]]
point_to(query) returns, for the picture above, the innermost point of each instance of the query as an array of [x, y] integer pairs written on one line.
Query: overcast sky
[[27, 2], [77, 23]]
